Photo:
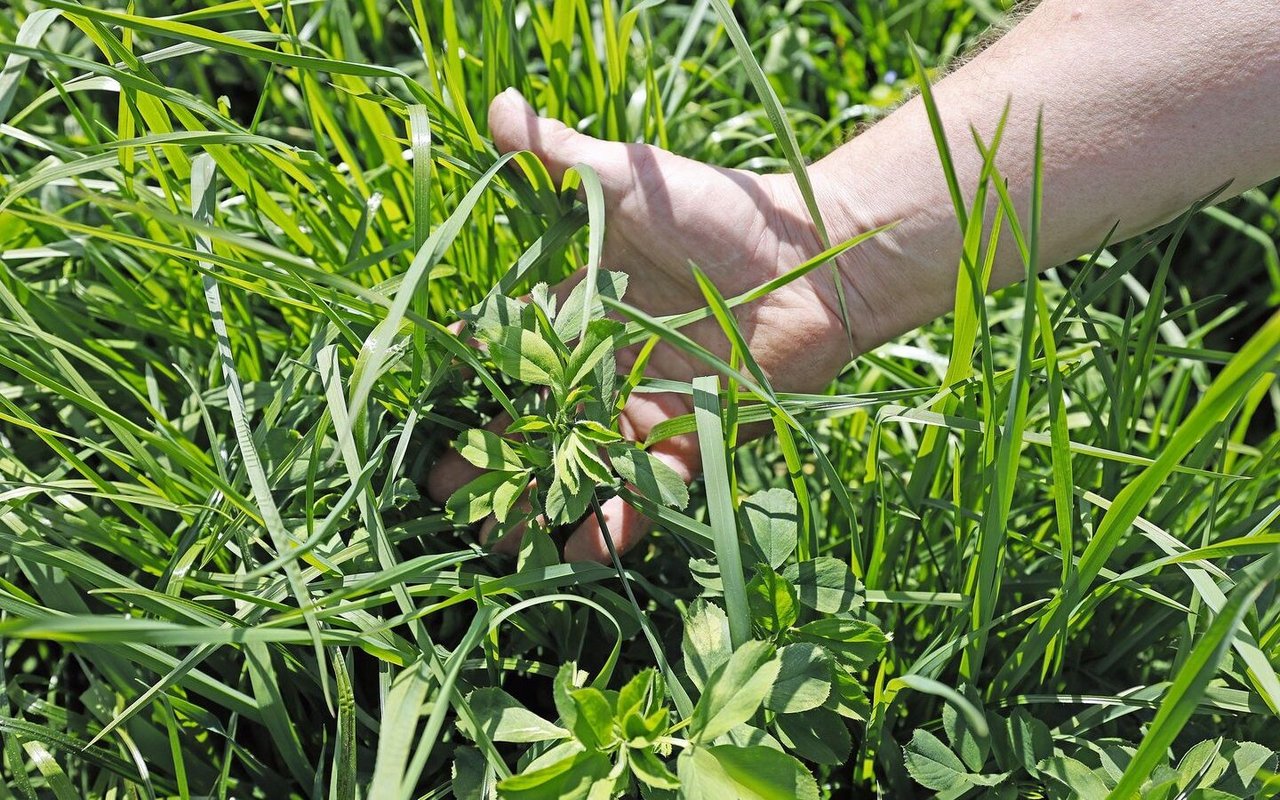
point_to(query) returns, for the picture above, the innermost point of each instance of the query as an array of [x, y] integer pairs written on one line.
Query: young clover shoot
[[566, 445]]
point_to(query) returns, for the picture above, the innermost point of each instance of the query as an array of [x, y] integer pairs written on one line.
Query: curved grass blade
[[790, 147], [724, 521], [1193, 679], [29, 35], [202, 191]]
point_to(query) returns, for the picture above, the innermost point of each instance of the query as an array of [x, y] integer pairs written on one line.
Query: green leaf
[[735, 691], [1111, 757], [826, 584], [642, 730], [526, 356], [772, 601], [743, 773], [568, 779], [917, 682], [596, 433], [1211, 794], [818, 735], [504, 719], [639, 693], [1248, 760], [705, 643], [489, 493], [1203, 764], [932, 765], [600, 341], [853, 643], [1159, 787], [496, 313], [650, 475], [718, 482], [576, 461], [564, 504], [1078, 780], [745, 735], [648, 768], [537, 550], [568, 679], [772, 520], [54, 777], [403, 710], [488, 450], [593, 723], [1022, 742], [471, 775], [804, 679], [553, 755], [529, 424], [971, 747], [848, 697], [568, 322]]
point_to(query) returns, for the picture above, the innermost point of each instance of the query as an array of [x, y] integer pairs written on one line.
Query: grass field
[[1026, 551]]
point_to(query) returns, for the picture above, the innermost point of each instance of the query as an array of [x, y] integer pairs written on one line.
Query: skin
[[1147, 107]]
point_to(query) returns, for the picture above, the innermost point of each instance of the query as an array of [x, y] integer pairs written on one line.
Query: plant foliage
[[1026, 551]]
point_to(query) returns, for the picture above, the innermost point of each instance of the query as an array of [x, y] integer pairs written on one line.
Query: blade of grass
[[790, 147], [1193, 679], [724, 521]]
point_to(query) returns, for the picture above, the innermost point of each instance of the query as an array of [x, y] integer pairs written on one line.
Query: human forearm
[[1147, 107], [1127, 138]]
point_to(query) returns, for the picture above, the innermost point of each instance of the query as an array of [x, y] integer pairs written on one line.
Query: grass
[[1027, 550]]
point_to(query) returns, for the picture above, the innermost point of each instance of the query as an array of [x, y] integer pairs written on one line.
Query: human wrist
[[850, 205], [904, 275]]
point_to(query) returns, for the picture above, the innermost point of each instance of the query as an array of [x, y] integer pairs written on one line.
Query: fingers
[[625, 527], [509, 543], [516, 126], [623, 524]]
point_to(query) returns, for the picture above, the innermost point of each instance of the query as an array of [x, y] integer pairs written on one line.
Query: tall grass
[[1032, 544]]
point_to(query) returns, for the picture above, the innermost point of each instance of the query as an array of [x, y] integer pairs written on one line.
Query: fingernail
[[512, 93]]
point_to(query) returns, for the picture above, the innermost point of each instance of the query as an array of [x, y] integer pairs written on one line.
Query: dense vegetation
[[1026, 551]]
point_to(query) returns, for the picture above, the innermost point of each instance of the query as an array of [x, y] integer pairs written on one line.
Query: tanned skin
[[1147, 107]]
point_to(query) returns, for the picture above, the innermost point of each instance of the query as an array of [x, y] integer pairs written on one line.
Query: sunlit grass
[[231, 237]]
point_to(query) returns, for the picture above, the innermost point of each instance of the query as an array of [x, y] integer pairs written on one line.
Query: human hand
[[663, 212]]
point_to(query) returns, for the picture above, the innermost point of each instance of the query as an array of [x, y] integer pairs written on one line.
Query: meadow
[[1028, 550]]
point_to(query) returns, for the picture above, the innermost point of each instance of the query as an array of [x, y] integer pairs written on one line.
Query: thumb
[[516, 126]]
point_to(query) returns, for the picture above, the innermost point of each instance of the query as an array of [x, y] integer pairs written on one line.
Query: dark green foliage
[[231, 237]]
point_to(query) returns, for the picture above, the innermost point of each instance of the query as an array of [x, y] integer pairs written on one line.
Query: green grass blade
[[724, 521], [1193, 679]]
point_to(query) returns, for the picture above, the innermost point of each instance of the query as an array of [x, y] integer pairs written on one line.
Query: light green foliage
[[734, 691], [565, 453], [1025, 551], [772, 524], [1021, 752], [751, 773]]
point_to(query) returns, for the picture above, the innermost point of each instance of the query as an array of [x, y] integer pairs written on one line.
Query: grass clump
[[1025, 551]]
